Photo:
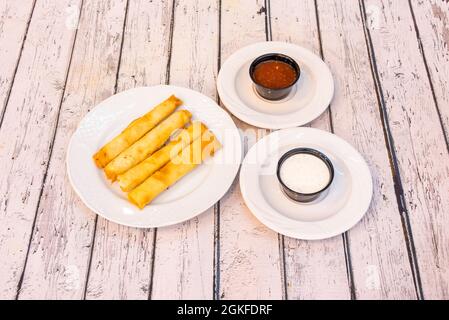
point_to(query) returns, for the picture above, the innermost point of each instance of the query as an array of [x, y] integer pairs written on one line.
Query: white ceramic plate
[[308, 99], [190, 196], [344, 205]]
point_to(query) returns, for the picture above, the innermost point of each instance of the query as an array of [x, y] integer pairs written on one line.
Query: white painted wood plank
[[183, 266], [250, 261], [314, 269], [27, 132], [418, 138], [378, 251], [14, 17], [121, 262], [432, 19], [62, 239], [121, 265]]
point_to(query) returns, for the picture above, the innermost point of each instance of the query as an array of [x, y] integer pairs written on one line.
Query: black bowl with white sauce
[[304, 174]]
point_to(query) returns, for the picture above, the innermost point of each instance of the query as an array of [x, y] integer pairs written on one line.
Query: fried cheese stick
[[136, 175], [135, 131], [146, 145], [178, 167]]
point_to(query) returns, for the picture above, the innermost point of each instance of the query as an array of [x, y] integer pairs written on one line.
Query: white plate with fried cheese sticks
[[154, 156]]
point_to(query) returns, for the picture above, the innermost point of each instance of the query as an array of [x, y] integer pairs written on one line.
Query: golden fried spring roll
[[146, 145], [136, 175], [135, 131], [174, 170]]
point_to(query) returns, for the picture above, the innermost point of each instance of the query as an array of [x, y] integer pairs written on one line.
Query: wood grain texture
[[381, 269], [122, 257], [314, 269], [14, 19], [249, 255], [26, 134], [183, 266], [418, 139], [62, 239], [432, 19], [390, 62]]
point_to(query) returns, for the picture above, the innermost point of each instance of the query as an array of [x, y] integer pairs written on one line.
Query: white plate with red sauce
[[309, 98]]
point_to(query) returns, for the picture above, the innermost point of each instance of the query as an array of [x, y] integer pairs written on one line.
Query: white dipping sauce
[[304, 173]]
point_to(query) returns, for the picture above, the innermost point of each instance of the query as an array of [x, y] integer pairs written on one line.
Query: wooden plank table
[[390, 62]]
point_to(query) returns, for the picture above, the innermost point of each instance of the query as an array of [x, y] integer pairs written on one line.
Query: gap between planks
[[426, 65], [281, 242], [216, 267], [389, 143], [167, 81], [19, 285], [92, 246], [345, 238], [8, 94]]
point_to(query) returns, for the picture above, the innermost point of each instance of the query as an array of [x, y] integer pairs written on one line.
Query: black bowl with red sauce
[[274, 75]]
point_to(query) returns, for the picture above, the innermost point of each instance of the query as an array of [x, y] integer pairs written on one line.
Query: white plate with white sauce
[[333, 213], [192, 195], [309, 98]]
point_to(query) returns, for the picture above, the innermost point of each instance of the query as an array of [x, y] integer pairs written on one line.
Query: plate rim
[[279, 229], [200, 208], [229, 102]]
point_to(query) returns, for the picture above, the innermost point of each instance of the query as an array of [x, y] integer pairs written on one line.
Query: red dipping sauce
[[274, 74]]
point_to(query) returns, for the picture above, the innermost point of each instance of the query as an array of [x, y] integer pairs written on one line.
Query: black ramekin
[[304, 197], [269, 93]]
